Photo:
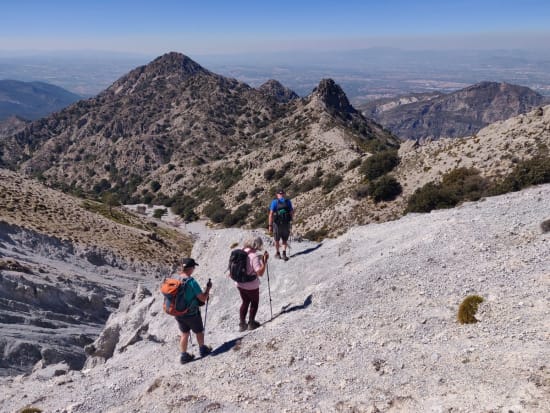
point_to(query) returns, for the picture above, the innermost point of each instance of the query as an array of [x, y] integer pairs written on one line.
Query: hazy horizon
[[373, 49], [244, 26]]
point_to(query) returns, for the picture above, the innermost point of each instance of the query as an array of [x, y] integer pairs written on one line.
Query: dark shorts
[[281, 231], [190, 323]]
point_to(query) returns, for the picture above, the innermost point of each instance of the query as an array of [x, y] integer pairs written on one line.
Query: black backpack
[[237, 266], [282, 213]]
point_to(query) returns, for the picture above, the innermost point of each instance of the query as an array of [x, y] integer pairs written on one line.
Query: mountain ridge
[[212, 147], [32, 100], [193, 130], [457, 114]]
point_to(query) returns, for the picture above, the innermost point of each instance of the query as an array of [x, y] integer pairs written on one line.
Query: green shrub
[[466, 183], [227, 177], [429, 197], [237, 218], [155, 186], [468, 309], [285, 182], [260, 218], [101, 186], [386, 188], [330, 182], [308, 184], [148, 198], [269, 174], [183, 205], [30, 410], [461, 184], [111, 200], [256, 191], [241, 196], [533, 171], [215, 210], [316, 235], [159, 212], [379, 164]]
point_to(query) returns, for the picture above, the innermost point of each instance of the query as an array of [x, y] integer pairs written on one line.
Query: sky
[[240, 26]]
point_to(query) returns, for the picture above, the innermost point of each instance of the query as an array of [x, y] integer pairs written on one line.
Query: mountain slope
[[172, 130], [176, 134], [368, 323], [456, 114], [494, 151], [64, 265], [32, 100]]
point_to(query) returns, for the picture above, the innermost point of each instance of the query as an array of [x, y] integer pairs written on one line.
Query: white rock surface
[[369, 325]]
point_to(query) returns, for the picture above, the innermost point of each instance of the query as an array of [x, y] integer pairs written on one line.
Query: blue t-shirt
[[192, 289]]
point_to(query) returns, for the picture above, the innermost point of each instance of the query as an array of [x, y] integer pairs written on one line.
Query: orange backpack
[[173, 291]]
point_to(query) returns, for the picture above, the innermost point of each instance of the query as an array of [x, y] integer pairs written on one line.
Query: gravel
[[365, 322]]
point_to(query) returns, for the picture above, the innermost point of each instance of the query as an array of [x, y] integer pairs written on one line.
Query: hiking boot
[[186, 358], [278, 255], [243, 326], [253, 325], [284, 256], [205, 350]]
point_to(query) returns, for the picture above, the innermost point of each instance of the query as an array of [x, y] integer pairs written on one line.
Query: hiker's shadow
[[307, 302], [228, 345], [308, 250], [235, 343]]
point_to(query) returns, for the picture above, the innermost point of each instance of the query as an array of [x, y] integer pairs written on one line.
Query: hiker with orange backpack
[[281, 213], [191, 320]]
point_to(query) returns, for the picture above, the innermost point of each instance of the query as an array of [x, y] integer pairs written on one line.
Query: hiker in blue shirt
[[192, 320], [281, 213]]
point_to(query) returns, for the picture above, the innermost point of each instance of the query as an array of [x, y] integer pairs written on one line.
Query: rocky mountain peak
[[173, 66], [176, 63], [277, 91], [333, 96]]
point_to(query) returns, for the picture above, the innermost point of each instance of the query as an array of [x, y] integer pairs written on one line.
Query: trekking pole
[[269, 290], [289, 237], [206, 308]]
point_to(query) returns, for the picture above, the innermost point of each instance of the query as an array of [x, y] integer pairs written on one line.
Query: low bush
[[529, 172], [330, 182], [316, 235], [386, 188], [160, 212], [215, 210], [183, 205], [379, 164], [468, 309], [238, 217], [461, 184], [269, 174], [241, 196]]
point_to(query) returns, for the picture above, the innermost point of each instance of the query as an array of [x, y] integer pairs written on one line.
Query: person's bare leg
[[200, 338], [184, 338]]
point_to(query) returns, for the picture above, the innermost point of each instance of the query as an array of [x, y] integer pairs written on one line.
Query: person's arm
[[203, 296], [260, 269], [270, 220]]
